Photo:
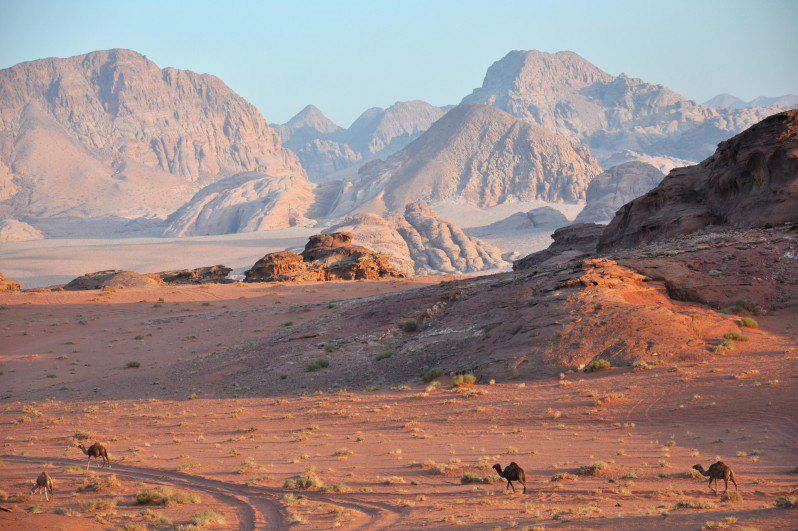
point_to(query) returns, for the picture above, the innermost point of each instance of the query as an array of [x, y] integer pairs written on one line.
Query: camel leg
[[733, 481], [710, 485], [726, 482], [511, 484], [88, 462], [46, 495], [524, 484]]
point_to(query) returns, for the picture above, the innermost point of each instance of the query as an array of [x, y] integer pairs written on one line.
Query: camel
[[716, 471], [98, 451], [511, 473], [44, 481]]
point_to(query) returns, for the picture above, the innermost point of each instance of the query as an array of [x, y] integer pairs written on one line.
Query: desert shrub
[[598, 365], [430, 375], [563, 476], [694, 504], [156, 517], [462, 380], [410, 325], [385, 355], [749, 322], [726, 344], [133, 364], [743, 306], [343, 452], [339, 488], [317, 365], [309, 480], [204, 518], [329, 347], [731, 497], [107, 504], [101, 483], [788, 502], [468, 478], [640, 365], [595, 468], [735, 336], [164, 496]]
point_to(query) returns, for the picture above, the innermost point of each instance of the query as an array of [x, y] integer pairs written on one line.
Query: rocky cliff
[[615, 187], [565, 93], [750, 181], [111, 133]]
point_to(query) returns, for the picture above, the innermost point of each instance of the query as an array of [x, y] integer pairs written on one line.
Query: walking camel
[[44, 481], [512, 472], [716, 471], [97, 451]]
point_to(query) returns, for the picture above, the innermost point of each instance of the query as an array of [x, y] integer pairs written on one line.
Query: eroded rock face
[[477, 154], [325, 257], [420, 242], [13, 230], [750, 181], [112, 278], [615, 187], [572, 242], [93, 135], [9, 285], [200, 275], [246, 202]]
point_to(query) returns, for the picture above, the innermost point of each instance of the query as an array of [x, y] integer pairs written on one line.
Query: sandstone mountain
[[728, 101], [615, 187], [567, 94], [327, 151], [245, 202], [419, 242], [325, 257], [13, 230], [750, 181], [109, 133], [477, 154]]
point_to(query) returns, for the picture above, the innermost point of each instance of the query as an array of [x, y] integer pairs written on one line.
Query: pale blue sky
[[345, 56]]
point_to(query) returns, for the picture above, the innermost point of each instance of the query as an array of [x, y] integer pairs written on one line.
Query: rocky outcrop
[[477, 154], [216, 274], [111, 279], [750, 181], [13, 230], [325, 257], [615, 187], [9, 285], [568, 95], [111, 133], [538, 219], [419, 242], [246, 202], [572, 242]]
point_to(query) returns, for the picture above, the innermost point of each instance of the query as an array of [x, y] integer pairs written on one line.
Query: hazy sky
[[345, 56]]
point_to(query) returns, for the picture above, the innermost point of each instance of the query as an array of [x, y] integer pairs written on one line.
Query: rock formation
[[615, 187], [750, 181], [111, 279], [477, 154], [8, 285], [97, 134], [568, 95], [325, 257], [216, 274], [574, 241], [538, 219], [13, 230], [245, 202]]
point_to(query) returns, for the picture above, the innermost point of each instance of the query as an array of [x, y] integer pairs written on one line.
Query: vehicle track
[[257, 507]]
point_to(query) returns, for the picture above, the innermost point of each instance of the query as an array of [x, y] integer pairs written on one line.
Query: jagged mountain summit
[[615, 187], [109, 133], [565, 93], [477, 154], [326, 149], [728, 101]]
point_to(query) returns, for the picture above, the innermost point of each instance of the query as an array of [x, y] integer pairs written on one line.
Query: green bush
[[468, 478], [430, 375], [462, 380], [133, 364], [735, 336], [385, 355], [598, 365], [317, 365], [410, 325], [749, 322]]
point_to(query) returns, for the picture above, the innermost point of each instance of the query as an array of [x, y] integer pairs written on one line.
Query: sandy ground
[[381, 457]]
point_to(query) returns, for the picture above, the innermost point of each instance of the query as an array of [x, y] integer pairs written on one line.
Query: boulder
[[200, 275], [9, 285], [112, 278], [574, 241]]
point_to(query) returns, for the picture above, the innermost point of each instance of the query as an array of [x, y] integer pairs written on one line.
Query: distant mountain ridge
[[728, 101], [566, 94]]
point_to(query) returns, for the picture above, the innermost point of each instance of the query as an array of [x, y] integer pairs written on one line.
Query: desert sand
[[84, 366]]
